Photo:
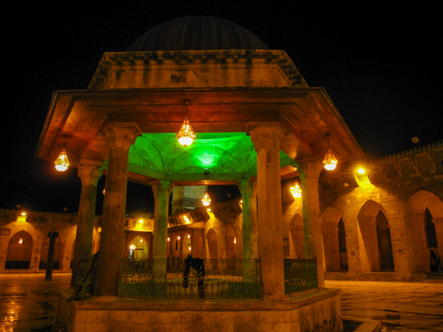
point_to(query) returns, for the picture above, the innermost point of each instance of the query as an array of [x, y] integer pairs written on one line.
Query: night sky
[[381, 66]]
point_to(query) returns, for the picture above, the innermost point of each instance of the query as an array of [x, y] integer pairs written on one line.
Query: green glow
[[227, 156]]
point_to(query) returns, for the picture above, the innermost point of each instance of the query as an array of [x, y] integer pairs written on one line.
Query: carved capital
[[266, 134], [89, 171], [162, 189], [121, 135], [248, 188]]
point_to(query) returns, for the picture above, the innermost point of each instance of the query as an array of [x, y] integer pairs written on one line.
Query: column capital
[[247, 187], [89, 171], [163, 187], [263, 133], [309, 168], [121, 134]]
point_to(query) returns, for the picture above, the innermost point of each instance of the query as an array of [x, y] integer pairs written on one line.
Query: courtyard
[[27, 303]]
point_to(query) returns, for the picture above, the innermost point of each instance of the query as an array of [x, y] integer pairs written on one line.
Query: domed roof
[[197, 33]]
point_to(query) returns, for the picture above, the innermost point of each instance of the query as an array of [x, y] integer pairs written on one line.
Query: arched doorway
[[58, 253], [19, 251], [334, 241], [138, 248], [296, 238], [424, 225], [374, 239]]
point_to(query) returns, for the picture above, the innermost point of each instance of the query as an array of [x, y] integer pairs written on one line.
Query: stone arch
[[58, 253], [19, 251], [296, 238], [230, 247], [141, 250], [334, 240], [374, 238], [424, 210], [307, 326]]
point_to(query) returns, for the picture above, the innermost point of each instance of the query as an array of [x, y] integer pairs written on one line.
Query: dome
[[197, 33]]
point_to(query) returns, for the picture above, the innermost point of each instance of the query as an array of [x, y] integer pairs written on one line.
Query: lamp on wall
[[62, 163], [186, 135], [295, 190], [329, 162], [206, 200]]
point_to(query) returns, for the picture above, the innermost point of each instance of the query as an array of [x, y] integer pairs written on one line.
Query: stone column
[[248, 190], [309, 172], [266, 139], [162, 191], [89, 172], [119, 136]]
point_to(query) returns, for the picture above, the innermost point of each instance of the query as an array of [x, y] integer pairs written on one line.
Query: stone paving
[[402, 306], [27, 303]]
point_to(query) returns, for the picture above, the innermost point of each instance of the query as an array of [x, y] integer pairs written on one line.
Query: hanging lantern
[[62, 163], [186, 135], [329, 162], [132, 247], [206, 200], [295, 190]]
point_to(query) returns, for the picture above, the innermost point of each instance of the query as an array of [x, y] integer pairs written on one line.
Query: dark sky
[[381, 65]]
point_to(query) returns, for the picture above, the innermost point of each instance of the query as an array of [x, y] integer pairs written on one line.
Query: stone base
[[317, 310]]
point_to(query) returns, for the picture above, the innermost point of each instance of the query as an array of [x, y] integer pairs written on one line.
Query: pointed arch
[[296, 238], [334, 240], [374, 238], [141, 247], [424, 226], [19, 251]]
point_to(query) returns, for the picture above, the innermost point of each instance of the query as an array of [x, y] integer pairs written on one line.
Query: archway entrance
[[138, 248], [19, 251], [374, 239], [334, 242], [424, 225]]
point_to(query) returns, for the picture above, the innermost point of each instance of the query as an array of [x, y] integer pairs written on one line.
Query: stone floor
[[401, 306], [27, 303]]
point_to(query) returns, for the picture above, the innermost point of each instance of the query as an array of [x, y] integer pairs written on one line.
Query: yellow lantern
[[329, 162], [62, 163], [186, 134], [295, 190], [206, 200]]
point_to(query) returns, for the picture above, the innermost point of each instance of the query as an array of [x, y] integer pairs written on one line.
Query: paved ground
[[27, 303], [401, 306]]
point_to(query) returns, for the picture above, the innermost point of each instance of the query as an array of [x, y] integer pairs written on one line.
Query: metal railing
[[300, 275], [224, 279]]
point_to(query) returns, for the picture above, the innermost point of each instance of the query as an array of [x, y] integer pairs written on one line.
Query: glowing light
[[23, 213], [20, 241], [178, 237], [295, 190], [361, 170], [189, 248], [241, 201], [235, 240], [169, 239], [62, 163], [132, 247], [206, 200], [104, 191], [186, 135], [141, 240], [140, 221], [208, 209], [189, 236], [187, 219], [330, 162], [99, 229]]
